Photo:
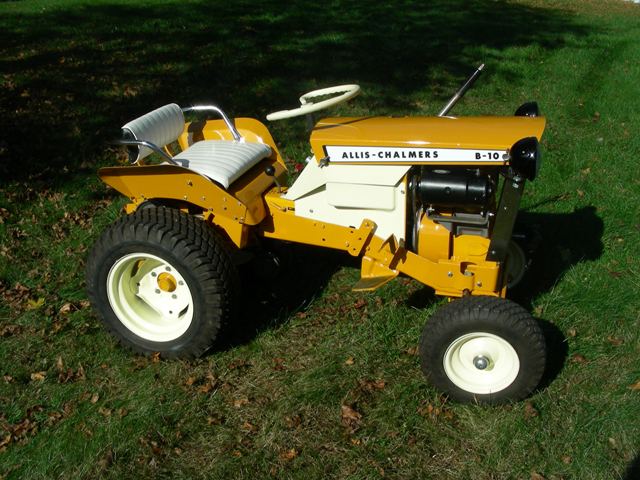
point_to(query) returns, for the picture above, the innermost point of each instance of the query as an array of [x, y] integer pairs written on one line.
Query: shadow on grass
[[277, 283], [73, 74], [633, 469]]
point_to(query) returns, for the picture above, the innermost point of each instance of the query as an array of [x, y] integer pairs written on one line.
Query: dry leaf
[[615, 341], [580, 193], [190, 381], [278, 363], [413, 351], [577, 358], [371, 385], [38, 376], [349, 361], [105, 412], [240, 402], [9, 330], [7, 378], [572, 332], [66, 308], [360, 303], [351, 418], [289, 454], [249, 427], [635, 386], [566, 459], [537, 476], [294, 421], [94, 398], [530, 411], [59, 364], [155, 357]]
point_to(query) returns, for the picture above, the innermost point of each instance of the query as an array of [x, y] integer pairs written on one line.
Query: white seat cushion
[[223, 161]]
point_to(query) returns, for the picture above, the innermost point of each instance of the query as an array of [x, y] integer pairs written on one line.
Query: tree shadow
[[72, 76]]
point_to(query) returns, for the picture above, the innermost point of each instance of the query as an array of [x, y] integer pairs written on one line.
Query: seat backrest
[[160, 127]]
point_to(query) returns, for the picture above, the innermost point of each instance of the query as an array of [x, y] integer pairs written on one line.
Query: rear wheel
[[483, 349], [162, 281]]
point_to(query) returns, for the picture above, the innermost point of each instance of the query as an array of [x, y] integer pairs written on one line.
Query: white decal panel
[[345, 154]]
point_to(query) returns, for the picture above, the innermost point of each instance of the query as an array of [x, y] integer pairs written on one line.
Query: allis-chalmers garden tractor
[[433, 198]]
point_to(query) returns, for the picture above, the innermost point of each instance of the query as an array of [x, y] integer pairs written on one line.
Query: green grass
[[270, 405]]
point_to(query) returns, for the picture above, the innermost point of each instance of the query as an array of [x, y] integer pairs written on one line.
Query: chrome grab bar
[[202, 108]]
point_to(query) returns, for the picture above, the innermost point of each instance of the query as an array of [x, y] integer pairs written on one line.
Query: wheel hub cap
[[481, 363], [150, 297]]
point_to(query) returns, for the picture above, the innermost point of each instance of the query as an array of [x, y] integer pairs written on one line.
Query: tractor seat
[[223, 161]]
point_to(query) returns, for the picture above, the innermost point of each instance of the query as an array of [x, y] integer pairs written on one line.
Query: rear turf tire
[[484, 350], [162, 281]]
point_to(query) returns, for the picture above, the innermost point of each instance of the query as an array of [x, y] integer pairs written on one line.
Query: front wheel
[[483, 349], [162, 281]]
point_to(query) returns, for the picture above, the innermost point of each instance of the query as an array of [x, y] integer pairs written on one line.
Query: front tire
[[483, 349], [162, 281]]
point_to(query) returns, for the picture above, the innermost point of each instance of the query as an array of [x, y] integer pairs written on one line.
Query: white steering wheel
[[347, 92]]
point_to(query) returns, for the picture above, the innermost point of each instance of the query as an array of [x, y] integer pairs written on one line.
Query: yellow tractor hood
[[415, 140]]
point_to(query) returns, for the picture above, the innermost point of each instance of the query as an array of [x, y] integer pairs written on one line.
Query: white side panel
[[309, 180], [314, 176], [348, 195], [316, 206]]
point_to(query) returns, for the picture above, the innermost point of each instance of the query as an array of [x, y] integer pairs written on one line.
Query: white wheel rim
[[465, 357], [150, 297]]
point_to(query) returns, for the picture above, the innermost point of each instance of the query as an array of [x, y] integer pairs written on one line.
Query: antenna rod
[[460, 93]]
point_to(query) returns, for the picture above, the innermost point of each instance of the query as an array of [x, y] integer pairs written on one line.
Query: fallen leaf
[[530, 411], [122, 412], [249, 427], [7, 378], [35, 304], [580, 193], [371, 385], [65, 309], [106, 460], [293, 421], [615, 341], [240, 402], [94, 398], [572, 332], [278, 364], [38, 376], [9, 330], [586, 171], [349, 361], [105, 412], [190, 381], [355, 441], [537, 476], [566, 459], [635, 386], [351, 418], [155, 357], [577, 358], [360, 303], [289, 454], [413, 351], [59, 364]]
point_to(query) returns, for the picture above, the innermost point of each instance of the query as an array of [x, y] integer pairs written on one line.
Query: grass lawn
[[320, 382]]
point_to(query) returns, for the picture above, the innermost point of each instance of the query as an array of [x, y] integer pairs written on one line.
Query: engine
[[448, 201]]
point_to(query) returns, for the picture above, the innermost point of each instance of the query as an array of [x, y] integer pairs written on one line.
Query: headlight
[[525, 157]]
